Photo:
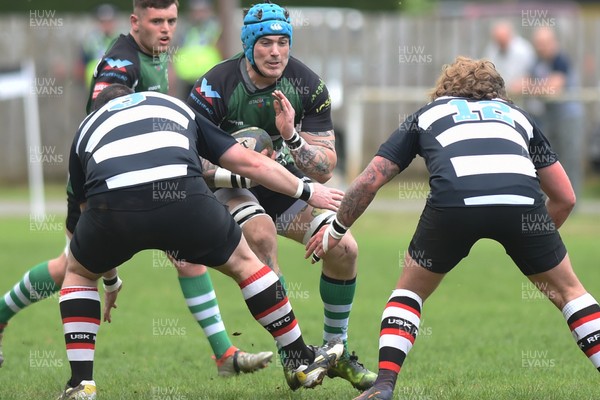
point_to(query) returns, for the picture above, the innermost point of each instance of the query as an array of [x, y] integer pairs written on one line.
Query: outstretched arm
[[361, 193], [264, 171], [364, 188]]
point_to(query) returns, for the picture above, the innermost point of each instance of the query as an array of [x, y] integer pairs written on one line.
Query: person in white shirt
[[512, 55]]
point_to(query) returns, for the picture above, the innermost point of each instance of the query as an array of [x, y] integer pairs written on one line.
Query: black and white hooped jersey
[[477, 152], [141, 138]]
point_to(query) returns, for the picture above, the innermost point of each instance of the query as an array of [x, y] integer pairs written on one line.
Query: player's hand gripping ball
[[256, 139]]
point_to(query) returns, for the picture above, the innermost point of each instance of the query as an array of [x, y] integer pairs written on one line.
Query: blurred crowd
[[543, 76], [539, 74]]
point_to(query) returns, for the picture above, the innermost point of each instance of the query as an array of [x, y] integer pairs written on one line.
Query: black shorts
[[444, 236], [187, 222], [73, 212], [276, 203]]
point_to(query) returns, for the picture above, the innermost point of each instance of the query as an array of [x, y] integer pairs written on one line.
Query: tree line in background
[[126, 5]]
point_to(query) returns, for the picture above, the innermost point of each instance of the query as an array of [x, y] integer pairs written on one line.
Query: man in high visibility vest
[[97, 41], [198, 49]]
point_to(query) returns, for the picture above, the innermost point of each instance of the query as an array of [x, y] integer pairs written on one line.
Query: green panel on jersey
[[153, 74], [256, 109]]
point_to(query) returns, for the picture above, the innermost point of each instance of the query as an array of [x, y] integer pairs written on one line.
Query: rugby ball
[[254, 138]]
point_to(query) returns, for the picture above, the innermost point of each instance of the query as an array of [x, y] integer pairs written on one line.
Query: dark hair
[[245, 10], [160, 4], [109, 93]]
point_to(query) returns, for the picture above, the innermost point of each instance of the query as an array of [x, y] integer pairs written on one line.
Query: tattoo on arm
[[312, 160], [364, 188], [321, 134], [315, 157], [329, 144]]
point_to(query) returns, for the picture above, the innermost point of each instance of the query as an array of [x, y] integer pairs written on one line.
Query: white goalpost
[[20, 83]]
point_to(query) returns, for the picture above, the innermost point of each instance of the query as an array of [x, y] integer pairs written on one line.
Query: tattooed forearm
[[364, 188], [317, 158], [354, 205], [313, 161]]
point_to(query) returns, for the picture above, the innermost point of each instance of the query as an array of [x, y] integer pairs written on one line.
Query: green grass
[[479, 331], [52, 191]]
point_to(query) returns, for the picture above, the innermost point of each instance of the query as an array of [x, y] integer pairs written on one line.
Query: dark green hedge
[[60, 6]]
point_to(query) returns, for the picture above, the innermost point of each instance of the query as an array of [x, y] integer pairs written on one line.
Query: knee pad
[[244, 212]]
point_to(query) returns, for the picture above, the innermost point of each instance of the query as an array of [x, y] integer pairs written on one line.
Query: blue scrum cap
[[262, 20]]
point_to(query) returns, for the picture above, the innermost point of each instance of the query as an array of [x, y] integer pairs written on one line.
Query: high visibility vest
[[199, 52], [93, 49]]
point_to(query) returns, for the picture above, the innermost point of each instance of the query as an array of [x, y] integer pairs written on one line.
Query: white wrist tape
[[304, 191], [326, 239], [113, 285], [296, 141], [226, 179], [299, 190], [336, 229]]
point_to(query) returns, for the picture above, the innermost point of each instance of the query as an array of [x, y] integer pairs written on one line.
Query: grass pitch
[[485, 334]]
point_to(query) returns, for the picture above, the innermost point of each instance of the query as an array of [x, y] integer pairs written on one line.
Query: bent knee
[[187, 270], [261, 235], [347, 249], [57, 268]]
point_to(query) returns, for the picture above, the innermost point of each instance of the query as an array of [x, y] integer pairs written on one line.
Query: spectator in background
[[199, 47], [512, 55], [97, 41], [551, 79]]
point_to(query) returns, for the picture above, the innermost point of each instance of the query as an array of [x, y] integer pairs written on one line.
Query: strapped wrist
[[295, 142], [226, 179], [304, 191], [112, 284], [337, 230]]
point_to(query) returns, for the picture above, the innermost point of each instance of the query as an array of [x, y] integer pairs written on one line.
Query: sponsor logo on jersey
[[276, 26], [98, 88], [117, 64], [205, 90], [260, 102]]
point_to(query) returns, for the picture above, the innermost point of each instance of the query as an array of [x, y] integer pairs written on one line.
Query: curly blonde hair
[[466, 77]]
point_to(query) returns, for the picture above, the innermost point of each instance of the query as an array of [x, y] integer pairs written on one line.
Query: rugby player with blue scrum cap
[[264, 86]]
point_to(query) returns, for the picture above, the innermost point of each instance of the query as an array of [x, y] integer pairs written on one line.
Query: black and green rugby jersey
[[125, 63], [227, 97]]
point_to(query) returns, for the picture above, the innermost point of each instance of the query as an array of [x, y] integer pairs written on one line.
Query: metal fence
[[349, 49]]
